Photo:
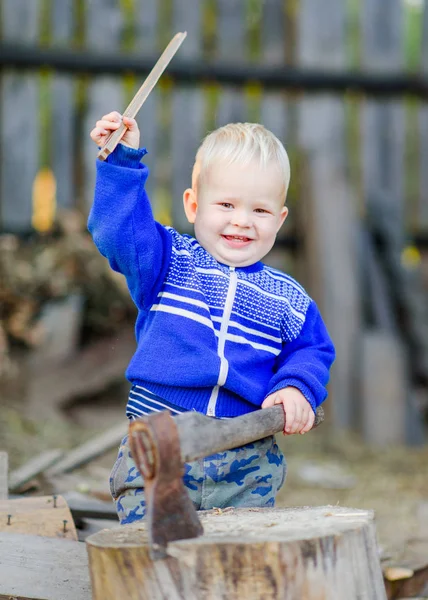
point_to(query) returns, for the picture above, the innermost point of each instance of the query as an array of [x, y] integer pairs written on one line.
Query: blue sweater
[[210, 337]]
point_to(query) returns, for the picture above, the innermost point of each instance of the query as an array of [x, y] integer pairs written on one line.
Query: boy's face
[[237, 211]]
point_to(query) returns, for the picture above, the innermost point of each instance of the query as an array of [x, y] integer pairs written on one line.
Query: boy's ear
[[282, 217], [190, 204]]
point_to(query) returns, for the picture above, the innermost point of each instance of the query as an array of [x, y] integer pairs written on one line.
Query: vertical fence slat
[[63, 110], [423, 133], [187, 109], [104, 24], [383, 121], [383, 138], [330, 228], [146, 44], [19, 119], [274, 105], [231, 27]]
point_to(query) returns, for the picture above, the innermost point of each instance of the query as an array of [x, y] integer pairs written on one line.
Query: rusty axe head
[[170, 514]]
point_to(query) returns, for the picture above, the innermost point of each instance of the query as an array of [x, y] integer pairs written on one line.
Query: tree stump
[[309, 553]]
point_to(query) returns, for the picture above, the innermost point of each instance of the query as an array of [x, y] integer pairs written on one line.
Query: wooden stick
[[95, 447], [33, 467], [140, 97]]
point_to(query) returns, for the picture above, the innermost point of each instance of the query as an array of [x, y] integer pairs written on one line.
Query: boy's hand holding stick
[[136, 103]]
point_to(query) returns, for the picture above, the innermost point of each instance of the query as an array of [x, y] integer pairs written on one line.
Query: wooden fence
[[349, 151]]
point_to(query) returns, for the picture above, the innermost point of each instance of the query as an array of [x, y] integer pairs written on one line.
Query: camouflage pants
[[249, 476]]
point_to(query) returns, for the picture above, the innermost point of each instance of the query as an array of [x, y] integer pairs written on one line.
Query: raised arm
[[121, 220]]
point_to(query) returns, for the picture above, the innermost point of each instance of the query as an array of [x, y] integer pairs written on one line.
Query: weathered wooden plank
[[187, 110], [19, 141], [274, 104], [330, 242], [423, 133], [88, 527], [33, 567], [383, 388], [383, 124], [46, 516], [33, 467], [89, 450], [104, 29], [382, 146], [63, 109], [4, 465], [146, 17], [274, 109], [231, 45], [83, 507]]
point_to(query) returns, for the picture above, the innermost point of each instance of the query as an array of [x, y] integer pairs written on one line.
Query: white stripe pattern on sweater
[[238, 339], [179, 298], [254, 332], [183, 313], [299, 315]]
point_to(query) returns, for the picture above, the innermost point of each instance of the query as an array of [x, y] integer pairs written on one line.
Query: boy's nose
[[241, 219]]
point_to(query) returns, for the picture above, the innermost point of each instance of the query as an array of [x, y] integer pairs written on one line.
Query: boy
[[217, 330]]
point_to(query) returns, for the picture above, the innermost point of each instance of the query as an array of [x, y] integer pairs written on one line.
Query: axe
[[161, 444]]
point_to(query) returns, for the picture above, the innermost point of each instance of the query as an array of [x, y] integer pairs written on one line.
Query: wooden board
[[231, 28], [82, 506], [188, 107], [37, 516], [146, 43], [33, 467], [19, 122], [63, 108], [33, 567], [422, 214], [105, 93], [3, 475], [91, 449], [330, 253]]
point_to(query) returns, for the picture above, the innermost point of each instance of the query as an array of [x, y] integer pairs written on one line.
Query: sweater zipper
[[224, 364]]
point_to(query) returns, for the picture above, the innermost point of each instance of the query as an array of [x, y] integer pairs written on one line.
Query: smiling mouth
[[237, 238]]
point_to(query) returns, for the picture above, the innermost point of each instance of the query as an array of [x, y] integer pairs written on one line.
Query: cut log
[[276, 554]]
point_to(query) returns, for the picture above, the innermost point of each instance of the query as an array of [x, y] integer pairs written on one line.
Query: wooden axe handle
[[202, 436]]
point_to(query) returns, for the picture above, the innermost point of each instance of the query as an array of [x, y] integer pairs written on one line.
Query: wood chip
[[397, 573]]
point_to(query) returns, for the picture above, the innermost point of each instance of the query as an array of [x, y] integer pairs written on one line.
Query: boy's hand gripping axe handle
[[161, 444], [141, 96]]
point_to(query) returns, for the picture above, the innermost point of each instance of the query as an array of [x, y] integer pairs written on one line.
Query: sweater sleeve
[[123, 227], [305, 362]]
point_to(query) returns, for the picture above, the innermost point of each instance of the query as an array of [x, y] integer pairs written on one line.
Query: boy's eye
[[261, 210], [226, 204]]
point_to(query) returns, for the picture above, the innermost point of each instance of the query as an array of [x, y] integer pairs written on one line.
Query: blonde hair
[[242, 143]]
